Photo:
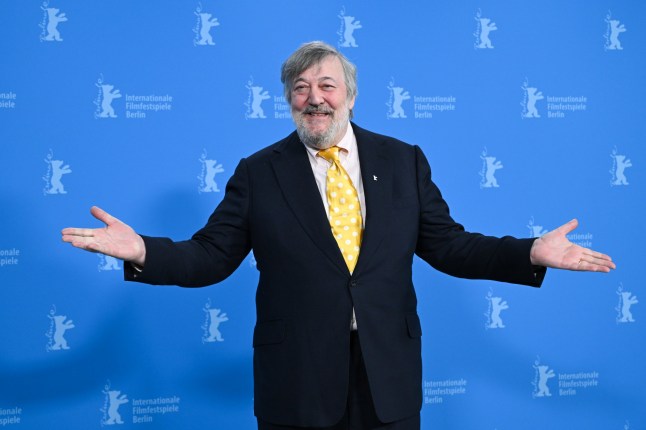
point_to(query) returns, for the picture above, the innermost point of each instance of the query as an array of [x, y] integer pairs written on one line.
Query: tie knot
[[330, 154]]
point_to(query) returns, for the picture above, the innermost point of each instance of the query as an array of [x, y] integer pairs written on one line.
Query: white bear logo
[[107, 96], [59, 325], [348, 25], [210, 168], [397, 97], [626, 300], [619, 165], [533, 95], [543, 374], [215, 318], [615, 28], [490, 166], [497, 305], [53, 19], [53, 178], [206, 23], [115, 399], [484, 27], [212, 323], [256, 96]]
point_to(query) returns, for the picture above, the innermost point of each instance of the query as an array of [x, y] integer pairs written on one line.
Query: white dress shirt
[[349, 158]]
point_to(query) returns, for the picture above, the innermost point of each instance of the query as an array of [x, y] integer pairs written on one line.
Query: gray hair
[[312, 53]]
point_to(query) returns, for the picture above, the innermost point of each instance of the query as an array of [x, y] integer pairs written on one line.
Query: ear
[[351, 102]]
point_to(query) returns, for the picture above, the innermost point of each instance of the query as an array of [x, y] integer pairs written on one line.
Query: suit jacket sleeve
[[446, 246], [212, 254]]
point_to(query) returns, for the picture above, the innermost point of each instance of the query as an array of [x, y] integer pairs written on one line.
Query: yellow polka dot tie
[[344, 207]]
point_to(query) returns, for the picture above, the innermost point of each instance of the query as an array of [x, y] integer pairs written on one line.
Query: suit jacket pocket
[[269, 332], [414, 326]]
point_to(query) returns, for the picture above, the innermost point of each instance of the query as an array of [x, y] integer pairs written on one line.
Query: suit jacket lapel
[[376, 173], [296, 180]]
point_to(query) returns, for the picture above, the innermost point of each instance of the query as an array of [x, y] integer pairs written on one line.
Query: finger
[[102, 215], [80, 232], [568, 227]]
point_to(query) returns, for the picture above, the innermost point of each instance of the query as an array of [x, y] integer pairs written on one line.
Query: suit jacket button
[[353, 284]]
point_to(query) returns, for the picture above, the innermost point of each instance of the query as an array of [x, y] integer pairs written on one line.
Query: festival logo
[[484, 26], [204, 23], [397, 96], [113, 399], [489, 167], [210, 168], [256, 95], [495, 305], [107, 262], [530, 96], [424, 107], [346, 32], [613, 29], [54, 175], [211, 327], [542, 374], [49, 24], [58, 325], [106, 94], [626, 300], [618, 171], [558, 107], [569, 384]]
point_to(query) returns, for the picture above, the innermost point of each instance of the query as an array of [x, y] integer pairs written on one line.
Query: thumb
[[568, 227], [103, 216]]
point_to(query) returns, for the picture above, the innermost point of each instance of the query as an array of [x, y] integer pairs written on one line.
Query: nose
[[316, 97]]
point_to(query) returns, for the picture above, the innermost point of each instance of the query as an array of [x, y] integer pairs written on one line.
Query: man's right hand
[[116, 239]]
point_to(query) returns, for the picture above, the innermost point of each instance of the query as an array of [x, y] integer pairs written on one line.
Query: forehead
[[328, 67]]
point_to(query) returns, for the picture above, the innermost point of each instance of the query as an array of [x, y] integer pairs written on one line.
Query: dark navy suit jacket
[[305, 292]]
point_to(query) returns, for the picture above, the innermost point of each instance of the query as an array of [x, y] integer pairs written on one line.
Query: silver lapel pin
[[374, 177]]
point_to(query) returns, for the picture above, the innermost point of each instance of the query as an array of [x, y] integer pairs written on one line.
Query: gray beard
[[327, 138]]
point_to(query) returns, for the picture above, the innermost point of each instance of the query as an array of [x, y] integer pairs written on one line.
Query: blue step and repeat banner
[[531, 113]]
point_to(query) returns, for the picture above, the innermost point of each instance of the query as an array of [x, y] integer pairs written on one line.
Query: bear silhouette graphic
[[615, 30], [621, 163], [106, 103], [491, 166], [58, 170], [627, 300], [533, 95], [399, 95], [53, 19], [486, 27], [116, 399], [497, 306], [215, 318], [349, 25], [206, 24], [258, 95], [544, 374], [60, 327]]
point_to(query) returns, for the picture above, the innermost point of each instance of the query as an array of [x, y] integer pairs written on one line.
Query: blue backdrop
[[531, 113]]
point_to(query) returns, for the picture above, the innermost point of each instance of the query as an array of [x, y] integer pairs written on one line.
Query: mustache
[[317, 109]]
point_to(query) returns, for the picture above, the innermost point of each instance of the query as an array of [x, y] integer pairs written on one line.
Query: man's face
[[320, 104]]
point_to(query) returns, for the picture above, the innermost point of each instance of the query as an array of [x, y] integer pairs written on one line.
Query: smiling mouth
[[317, 112]]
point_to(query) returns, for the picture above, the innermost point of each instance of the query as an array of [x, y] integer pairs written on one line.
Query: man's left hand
[[554, 250]]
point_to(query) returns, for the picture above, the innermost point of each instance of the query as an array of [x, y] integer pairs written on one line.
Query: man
[[334, 215]]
